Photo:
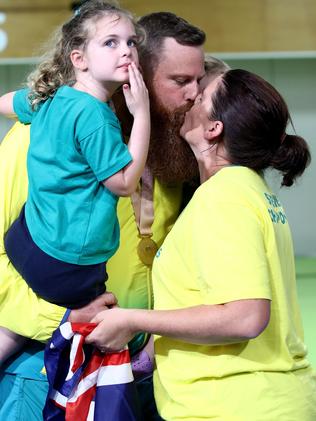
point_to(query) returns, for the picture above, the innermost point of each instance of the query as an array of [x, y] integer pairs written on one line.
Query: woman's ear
[[78, 60], [213, 129]]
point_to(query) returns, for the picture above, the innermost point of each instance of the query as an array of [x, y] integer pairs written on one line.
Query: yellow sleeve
[[20, 309]]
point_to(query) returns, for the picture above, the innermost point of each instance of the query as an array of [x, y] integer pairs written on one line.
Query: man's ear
[[213, 129], [78, 60]]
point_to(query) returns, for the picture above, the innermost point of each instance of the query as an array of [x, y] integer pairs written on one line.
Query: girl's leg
[[65, 284], [10, 343]]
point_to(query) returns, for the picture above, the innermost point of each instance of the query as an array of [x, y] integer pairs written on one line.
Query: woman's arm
[[232, 322]]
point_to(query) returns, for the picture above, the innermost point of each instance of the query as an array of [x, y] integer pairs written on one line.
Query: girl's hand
[[136, 95], [113, 331]]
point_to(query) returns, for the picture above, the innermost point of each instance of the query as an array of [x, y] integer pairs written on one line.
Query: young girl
[[78, 164]]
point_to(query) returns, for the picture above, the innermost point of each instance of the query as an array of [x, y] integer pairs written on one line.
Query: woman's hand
[[113, 331]]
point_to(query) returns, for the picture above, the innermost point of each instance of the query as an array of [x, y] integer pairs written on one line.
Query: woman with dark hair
[[229, 342]]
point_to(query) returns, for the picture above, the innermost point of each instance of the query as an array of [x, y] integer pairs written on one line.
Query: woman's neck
[[211, 160]]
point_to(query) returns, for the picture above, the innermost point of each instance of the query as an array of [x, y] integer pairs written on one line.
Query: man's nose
[[192, 91]]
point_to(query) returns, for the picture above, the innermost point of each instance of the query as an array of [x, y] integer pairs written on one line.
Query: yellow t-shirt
[[129, 279], [232, 242]]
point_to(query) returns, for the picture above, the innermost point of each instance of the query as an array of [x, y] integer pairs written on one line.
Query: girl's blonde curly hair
[[56, 68]]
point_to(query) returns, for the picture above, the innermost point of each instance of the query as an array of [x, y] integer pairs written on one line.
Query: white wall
[[296, 80], [11, 78]]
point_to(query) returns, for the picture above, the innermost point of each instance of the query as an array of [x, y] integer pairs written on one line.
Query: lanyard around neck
[[143, 206]]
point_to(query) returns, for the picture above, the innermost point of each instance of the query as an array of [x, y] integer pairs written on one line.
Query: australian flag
[[85, 384]]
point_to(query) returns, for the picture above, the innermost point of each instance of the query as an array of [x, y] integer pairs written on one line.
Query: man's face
[[173, 89], [175, 82], [197, 121]]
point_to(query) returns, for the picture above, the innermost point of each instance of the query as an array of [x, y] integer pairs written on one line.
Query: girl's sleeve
[[22, 107]]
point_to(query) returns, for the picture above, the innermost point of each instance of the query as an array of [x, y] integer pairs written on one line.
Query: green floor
[[306, 286]]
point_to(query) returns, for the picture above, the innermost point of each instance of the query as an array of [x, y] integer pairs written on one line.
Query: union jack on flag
[[85, 384]]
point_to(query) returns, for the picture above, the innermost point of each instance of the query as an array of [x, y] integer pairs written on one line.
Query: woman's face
[[196, 119]]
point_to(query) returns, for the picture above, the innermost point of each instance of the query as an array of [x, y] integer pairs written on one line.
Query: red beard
[[170, 158]]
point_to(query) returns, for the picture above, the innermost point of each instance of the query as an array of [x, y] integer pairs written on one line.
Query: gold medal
[[146, 250]]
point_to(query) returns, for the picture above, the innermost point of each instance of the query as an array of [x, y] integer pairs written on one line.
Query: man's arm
[[21, 310]]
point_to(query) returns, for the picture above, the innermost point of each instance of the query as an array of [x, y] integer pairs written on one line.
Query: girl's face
[[111, 48], [196, 120]]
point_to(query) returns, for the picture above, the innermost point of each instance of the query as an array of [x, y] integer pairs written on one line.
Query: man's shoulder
[[16, 141]]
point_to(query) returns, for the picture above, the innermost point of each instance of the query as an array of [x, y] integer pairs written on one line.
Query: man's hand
[[86, 313]]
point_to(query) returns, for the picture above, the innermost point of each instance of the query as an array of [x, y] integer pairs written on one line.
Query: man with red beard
[[172, 62]]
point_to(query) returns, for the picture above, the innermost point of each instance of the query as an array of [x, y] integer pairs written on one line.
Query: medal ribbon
[[143, 205]]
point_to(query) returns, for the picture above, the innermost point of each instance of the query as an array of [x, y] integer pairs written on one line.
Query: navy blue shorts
[[58, 282]]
